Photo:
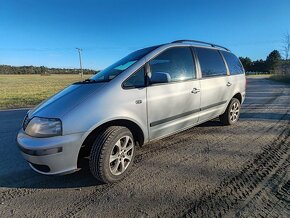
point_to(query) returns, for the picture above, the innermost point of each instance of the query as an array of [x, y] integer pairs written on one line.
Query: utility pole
[[80, 57]]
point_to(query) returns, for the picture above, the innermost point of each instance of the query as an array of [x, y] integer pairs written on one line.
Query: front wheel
[[232, 113], [112, 154]]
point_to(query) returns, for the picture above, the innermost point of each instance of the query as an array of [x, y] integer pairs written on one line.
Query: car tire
[[112, 154], [232, 113]]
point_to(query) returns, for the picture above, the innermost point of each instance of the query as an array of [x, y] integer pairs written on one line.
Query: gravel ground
[[209, 170]]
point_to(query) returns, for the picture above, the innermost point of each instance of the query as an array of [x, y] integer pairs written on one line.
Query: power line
[[80, 57]]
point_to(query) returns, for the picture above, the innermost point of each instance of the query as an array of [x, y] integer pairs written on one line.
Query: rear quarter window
[[235, 66]]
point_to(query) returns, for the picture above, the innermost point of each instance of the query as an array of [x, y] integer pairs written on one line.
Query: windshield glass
[[115, 69]]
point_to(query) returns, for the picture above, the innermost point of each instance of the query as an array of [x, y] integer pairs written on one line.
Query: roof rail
[[201, 42]]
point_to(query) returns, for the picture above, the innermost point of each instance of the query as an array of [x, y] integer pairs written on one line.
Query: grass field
[[18, 91]]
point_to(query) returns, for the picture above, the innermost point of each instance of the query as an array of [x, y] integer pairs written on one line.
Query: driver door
[[173, 103]]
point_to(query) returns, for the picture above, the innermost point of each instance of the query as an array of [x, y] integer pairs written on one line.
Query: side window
[[136, 80], [211, 62], [176, 64], [233, 62]]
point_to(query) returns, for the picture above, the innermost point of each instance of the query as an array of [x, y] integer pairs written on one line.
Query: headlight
[[44, 127]]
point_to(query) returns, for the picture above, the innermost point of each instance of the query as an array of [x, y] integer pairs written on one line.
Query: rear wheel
[[232, 113], [112, 154]]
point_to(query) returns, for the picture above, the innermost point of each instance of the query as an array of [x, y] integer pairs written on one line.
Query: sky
[[47, 32]]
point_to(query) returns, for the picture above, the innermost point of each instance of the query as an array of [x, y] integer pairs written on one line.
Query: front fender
[[145, 132]]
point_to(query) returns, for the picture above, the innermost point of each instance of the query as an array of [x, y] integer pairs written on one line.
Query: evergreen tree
[[273, 60], [247, 63]]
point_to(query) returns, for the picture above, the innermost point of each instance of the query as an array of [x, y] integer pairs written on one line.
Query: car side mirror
[[160, 77]]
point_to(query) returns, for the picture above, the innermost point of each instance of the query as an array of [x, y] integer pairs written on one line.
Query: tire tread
[[98, 152]]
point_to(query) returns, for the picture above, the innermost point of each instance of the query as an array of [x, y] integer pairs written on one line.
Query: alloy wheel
[[121, 155], [234, 112]]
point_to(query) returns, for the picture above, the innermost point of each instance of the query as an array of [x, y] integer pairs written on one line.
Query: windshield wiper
[[87, 81]]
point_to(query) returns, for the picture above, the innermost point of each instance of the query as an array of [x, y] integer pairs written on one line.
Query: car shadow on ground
[[211, 123], [27, 178]]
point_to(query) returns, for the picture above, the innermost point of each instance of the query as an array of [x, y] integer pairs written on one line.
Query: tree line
[[273, 64], [7, 69]]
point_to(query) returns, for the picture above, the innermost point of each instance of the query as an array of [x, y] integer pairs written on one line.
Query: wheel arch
[[238, 96], [136, 130]]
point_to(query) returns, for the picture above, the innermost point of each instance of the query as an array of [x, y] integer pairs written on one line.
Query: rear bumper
[[243, 97], [53, 155]]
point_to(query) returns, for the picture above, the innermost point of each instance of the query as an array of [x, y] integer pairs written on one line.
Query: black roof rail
[[201, 42]]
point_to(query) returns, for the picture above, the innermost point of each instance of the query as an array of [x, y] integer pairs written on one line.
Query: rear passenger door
[[214, 83], [172, 105], [237, 77]]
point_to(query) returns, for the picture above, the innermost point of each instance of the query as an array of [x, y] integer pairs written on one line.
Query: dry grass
[[281, 78], [18, 91]]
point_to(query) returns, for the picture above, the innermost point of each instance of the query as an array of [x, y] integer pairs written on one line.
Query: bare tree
[[286, 45]]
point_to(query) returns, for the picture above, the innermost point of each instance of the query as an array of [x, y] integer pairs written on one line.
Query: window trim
[[198, 72], [225, 62], [172, 82], [197, 65], [212, 77]]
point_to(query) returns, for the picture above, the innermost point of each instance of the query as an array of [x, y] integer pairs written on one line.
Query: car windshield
[[115, 69]]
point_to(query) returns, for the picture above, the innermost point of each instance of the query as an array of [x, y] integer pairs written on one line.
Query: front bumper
[[53, 155]]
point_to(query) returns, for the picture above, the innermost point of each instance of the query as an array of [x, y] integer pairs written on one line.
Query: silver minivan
[[149, 94]]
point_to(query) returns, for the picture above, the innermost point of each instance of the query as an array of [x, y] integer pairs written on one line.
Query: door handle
[[229, 84], [195, 90]]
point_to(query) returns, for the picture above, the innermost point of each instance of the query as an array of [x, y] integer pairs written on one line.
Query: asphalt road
[[209, 170]]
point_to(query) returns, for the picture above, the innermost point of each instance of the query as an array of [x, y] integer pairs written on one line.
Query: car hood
[[64, 101]]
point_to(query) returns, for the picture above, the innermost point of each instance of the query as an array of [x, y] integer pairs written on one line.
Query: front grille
[[25, 122]]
